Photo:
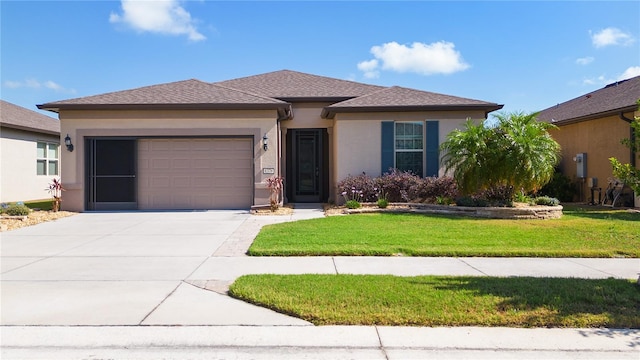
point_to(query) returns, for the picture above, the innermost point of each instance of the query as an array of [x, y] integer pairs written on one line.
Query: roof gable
[[289, 85], [187, 93], [613, 98], [17, 117]]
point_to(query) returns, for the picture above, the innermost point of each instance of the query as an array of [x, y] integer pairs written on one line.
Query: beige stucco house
[[590, 128], [199, 145], [29, 153]]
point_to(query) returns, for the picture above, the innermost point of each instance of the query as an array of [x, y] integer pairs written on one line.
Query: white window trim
[[46, 158], [396, 150]]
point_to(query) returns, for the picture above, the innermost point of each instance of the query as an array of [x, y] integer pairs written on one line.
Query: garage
[[195, 173]]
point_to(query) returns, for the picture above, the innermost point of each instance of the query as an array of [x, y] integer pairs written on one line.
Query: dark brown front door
[[307, 172]]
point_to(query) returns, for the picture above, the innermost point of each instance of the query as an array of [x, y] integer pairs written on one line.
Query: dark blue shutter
[[432, 146], [387, 159]]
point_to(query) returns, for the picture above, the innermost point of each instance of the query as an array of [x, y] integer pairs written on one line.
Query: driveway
[[124, 268]]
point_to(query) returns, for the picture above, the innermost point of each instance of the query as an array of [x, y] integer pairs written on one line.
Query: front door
[[307, 168], [110, 166]]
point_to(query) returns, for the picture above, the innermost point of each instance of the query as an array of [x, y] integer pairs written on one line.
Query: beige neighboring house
[[198, 145], [590, 128], [29, 153]]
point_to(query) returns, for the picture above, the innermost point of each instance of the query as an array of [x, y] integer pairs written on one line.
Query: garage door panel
[[195, 173]]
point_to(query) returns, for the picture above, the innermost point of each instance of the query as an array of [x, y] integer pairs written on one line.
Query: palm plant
[[517, 153]]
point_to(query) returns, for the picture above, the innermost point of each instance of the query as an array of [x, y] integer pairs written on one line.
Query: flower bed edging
[[517, 213]]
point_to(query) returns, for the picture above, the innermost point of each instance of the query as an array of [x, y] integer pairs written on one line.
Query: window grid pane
[[41, 167], [53, 167], [41, 150], [53, 151]]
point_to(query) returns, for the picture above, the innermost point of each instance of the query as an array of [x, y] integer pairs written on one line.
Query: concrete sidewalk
[[153, 285]]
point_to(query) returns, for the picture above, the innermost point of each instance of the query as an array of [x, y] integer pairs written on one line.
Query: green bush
[[17, 210], [546, 200], [560, 187], [383, 203], [353, 204]]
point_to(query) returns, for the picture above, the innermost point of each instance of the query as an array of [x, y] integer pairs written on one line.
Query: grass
[[446, 301], [44, 205], [581, 232]]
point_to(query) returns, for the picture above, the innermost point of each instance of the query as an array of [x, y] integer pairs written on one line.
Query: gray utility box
[[581, 163]]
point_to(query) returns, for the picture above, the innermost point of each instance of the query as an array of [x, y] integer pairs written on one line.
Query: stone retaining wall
[[526, 212]]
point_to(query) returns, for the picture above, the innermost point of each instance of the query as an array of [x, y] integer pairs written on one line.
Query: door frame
[[321, 193], [91, 176]]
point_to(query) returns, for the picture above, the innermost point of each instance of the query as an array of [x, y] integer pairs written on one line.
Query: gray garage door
[[195, 173]]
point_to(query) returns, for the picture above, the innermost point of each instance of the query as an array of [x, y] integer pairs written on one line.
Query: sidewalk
[[188, 322]]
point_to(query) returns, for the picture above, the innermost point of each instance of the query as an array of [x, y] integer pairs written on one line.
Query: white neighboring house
[[29, 153]]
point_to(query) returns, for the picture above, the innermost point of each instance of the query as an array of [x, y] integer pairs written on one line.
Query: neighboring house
[[29, 153], [198, 145], [590, 130]]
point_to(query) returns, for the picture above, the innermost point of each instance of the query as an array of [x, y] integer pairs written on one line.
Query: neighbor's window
[[47, 158], [409, 146]]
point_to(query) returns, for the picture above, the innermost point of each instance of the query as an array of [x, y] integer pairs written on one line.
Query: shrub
[[499, 195], [546, 200], [430, 189], [383, 203], [361, 188], [471, 201], [353, 204], [17, 210], [399, 186], [560, 187]]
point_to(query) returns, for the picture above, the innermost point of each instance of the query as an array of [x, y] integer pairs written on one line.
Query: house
[[198, 145], [590, 128], [29, 153]]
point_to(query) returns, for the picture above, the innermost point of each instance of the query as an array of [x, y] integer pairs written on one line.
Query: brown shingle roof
[[17, 117], [618, 97], [397, 98], [181, 94], [293, 85]]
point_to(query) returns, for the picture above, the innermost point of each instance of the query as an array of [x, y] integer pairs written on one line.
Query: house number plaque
[[268, 171]]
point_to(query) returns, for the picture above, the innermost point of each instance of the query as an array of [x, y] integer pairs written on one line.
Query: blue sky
[[525, 55]]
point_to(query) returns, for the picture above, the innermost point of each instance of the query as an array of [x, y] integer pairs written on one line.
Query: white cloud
[[585, 60], [157, 16], [611, 36], [369, 68], [35, 84], [633, 71], [600, 80], [425, 59]]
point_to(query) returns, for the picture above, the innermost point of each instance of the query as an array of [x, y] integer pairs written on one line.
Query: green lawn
[[446, 301], [581, 232]]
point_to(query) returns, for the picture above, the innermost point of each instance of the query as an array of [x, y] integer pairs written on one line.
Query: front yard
[[581, 232], [446, 301]]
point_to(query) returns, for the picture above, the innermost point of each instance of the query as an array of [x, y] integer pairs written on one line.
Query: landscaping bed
[[8, 223]]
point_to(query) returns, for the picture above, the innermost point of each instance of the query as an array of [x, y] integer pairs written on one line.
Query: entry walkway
[[152, 285]]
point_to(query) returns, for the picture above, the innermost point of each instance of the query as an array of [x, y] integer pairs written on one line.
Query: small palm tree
[[517, 152]]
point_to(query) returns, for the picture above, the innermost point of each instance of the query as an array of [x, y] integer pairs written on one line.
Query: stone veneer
[[526, 212]]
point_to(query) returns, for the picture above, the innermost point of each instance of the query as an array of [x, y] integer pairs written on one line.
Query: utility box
[[592, 182], [581, 163]]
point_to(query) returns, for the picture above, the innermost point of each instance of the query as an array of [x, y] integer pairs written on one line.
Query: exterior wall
[[80, 124], [358, 136], [600, 140], [18, 177]]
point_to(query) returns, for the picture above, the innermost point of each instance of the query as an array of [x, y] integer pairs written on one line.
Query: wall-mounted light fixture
[[265, 144], [67, 143]]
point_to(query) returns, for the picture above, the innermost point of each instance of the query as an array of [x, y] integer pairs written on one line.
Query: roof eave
[[330, 112], [53, 107], [593, 116], [30, 129]]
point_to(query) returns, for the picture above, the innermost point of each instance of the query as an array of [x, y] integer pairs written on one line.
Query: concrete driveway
[[122, 269]]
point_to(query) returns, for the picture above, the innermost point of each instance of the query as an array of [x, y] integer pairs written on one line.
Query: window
[[409, 146], [47, 158]]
